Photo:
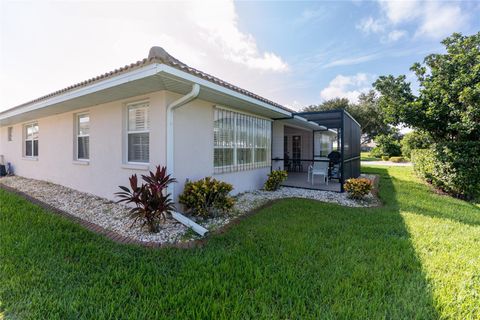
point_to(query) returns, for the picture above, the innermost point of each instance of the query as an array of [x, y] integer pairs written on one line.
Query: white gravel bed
[[110, 215], [251, 200], [115, 217]]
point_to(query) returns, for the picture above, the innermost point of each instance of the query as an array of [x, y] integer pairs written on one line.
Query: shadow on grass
[[421, 199], [295, 259]]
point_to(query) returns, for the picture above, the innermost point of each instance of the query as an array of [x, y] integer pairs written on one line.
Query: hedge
[[453, 167]]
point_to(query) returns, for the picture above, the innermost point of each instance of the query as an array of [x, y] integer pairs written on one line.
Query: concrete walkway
[[387, 163]]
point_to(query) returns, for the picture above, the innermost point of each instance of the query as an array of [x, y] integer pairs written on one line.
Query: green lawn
[[417, 257], [365, 156]]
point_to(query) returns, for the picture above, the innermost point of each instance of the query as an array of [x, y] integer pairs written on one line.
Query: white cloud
[[97, 37], [396, 35], [401, 11], [371, 25], [296, 105], [352, 60], [218, 25], [434, 19], [440, 20], [349, 87]]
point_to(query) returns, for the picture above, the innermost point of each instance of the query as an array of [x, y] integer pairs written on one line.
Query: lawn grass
[[417, 257], [365, 156]]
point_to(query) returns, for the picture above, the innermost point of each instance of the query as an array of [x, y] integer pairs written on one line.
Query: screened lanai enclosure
[[319, 150]]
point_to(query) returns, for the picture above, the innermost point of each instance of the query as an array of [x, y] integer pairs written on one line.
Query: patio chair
[[319, 168]]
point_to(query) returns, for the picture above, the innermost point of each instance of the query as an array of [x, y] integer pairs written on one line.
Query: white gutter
[[171, 154], [170, 129]]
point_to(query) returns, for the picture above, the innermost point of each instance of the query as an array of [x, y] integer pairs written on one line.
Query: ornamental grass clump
[[275, 179], [207, 197], [358, 188], [152, 202]]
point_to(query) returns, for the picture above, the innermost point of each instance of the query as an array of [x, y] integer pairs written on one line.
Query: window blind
[[31, 140], [241, 142], [83, 137], [138, 135]]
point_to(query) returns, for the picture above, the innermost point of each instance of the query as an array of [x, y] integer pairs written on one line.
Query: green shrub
[[453, 167], [385, 158], [207, 197], [376, 152], [275, 179], [423, 163], [397, 159], [358, 188], [414, 140], [387, 145], [152, 202]]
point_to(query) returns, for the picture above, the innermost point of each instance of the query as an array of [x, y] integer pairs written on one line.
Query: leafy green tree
[[448, 104], [332, 104], [367, 112], [370, 116]]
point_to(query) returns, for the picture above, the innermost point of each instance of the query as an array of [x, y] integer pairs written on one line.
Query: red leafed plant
[[152, 202]]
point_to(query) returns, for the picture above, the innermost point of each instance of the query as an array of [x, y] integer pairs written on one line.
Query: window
[[138, 134], [241, 142], [83, 136], [31, 140], [10, 133]]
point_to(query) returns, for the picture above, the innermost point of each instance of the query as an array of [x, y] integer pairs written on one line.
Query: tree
[[332, 104], [370, 116], [367, 112], [448, 104]]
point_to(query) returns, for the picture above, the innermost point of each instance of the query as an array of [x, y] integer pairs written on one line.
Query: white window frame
[[10, 134], [24, 148], [133, 105], [78, 135], [236, 167]]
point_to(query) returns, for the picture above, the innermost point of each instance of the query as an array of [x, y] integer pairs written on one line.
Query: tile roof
[[156, 55]]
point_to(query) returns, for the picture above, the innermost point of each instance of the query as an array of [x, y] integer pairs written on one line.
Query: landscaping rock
[[115, 217]]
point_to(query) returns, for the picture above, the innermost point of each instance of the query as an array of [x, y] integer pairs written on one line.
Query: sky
[[294, 53]]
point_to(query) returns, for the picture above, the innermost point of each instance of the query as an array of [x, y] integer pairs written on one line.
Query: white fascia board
[[143, 72], [219, 88], [136, 74], [313, 125], [319, 126]]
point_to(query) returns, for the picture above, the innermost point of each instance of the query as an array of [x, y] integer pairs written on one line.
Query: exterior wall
[[193, 127], [307, 141], [277, 144], [106, 169]]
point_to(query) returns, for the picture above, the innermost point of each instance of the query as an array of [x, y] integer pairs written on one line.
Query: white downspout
[[171, 154], [170, 130]]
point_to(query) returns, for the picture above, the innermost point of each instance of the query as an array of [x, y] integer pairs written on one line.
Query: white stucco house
[[93, 135]]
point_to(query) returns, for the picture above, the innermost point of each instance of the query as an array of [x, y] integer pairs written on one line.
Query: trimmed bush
[[414, 140], [453, 167], [397, 159], [275, 179], [358, 188], [207, 197], [385, 158], [387, 145], [423, 163]]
